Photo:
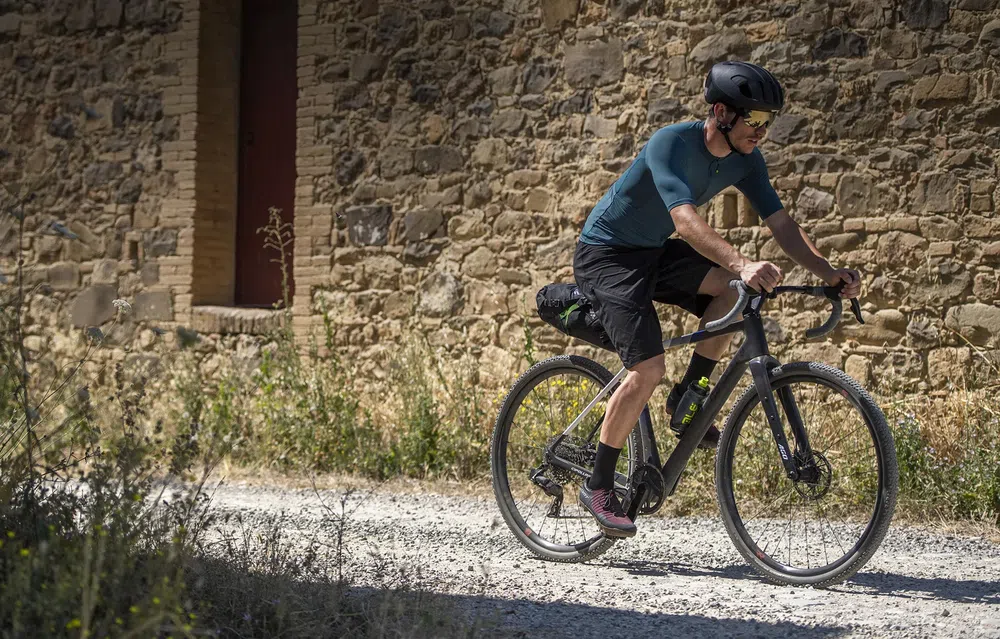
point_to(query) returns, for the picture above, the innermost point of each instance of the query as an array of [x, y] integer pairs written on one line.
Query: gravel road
[[677, 577]]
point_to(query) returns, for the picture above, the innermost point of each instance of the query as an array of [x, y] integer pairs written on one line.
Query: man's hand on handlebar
[[762, 275], [851, 279]]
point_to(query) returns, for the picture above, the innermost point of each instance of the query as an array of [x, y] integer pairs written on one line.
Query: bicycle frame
[[753, 354]]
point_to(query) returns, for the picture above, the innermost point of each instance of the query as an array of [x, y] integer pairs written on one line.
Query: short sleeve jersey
[[673, 168]]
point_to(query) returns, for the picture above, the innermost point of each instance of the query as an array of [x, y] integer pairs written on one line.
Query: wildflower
[[122, 305]]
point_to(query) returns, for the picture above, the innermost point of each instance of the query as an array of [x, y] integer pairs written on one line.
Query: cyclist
[[625, 258]]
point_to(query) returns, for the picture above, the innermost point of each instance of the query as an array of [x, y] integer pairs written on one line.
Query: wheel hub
[[815, 477]]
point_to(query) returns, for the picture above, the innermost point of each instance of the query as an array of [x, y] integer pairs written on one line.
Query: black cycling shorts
[[623, 283]]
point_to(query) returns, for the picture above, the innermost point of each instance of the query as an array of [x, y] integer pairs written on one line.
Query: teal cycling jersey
[[673, 168]]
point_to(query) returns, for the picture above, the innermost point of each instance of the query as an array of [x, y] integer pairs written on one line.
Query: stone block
[[946, 87], [859, 368], [979, 323], [441, 295], [524, 178], [108, 13], [538, 200], [105, 272], [93, 306], [64, 276], [557, 12], [814, 203], [941, 249], [986, 287], [898, 43], [160, 242], [594, 65], [153, 305], [947, 366], [538, 76], [366, 67], [490, 152], [855, 194], [504, 80], [837, 43], [727, 45], [936, 192], [423, 224], [508, 122], [150, 273], [924, 14], [600, 127], [839, 242], [368, 225], [481, 263], [897, 248], [395, 161], [789, 129]]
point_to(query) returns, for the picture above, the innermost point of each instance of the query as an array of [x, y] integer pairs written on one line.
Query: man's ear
[[720, 111]]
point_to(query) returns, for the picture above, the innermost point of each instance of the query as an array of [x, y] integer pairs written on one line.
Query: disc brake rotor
[[815, 478]]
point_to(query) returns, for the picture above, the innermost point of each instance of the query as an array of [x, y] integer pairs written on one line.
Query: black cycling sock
[[604, 467], [699, 367]]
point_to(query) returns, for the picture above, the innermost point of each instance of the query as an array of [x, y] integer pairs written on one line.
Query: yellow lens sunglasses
[[756, 119]]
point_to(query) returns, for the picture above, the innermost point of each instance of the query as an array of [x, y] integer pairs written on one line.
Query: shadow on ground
[[873, 583], [252, 603]]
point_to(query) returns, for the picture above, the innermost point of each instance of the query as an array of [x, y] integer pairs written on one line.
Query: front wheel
[[822, 527]]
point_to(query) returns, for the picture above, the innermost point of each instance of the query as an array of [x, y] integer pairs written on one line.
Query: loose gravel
[[678, 577]]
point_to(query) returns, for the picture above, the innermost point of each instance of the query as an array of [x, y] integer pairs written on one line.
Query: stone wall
[[449, 152], [471, 141], [90, 125]]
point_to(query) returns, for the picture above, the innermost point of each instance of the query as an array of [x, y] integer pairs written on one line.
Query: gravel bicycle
[[805, 472]]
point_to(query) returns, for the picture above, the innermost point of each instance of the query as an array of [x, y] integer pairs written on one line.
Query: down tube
[[702, 421]]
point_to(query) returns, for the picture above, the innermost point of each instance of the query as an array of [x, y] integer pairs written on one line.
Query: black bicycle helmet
[[743, 86]]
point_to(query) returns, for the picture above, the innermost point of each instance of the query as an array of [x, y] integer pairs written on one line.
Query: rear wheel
[[537, 499], [821, 528]]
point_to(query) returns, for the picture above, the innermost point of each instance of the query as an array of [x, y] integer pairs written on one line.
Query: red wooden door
[[268, 95]]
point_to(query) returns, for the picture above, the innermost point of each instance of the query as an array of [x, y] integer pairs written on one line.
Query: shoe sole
[[615, 532]]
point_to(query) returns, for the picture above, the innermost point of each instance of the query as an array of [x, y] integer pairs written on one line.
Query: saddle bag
[[565, 308]]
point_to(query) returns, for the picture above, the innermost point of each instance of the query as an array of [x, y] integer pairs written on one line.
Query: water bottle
[[690, 404]]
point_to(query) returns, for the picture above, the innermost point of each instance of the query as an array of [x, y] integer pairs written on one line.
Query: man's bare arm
[[709, 243], [796, 244]]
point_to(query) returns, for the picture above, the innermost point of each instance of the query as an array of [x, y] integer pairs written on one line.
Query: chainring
[[650, 480]]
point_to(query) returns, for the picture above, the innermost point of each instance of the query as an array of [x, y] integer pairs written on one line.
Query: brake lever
[[856, 308], [833, 294]]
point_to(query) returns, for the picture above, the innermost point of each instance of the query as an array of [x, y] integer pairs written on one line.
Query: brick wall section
[[181, 100], [217, 173], [313, 162]]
